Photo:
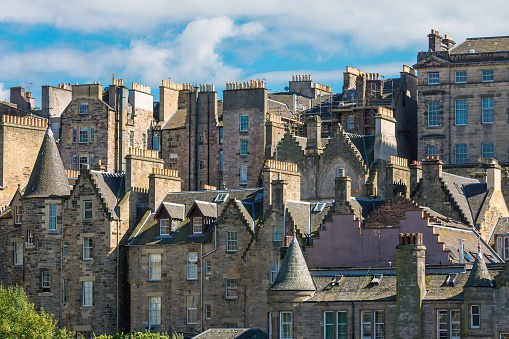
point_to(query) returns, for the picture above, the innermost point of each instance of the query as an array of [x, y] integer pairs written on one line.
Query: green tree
[[20, 320]]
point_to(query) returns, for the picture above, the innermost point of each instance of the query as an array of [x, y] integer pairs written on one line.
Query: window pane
[[461, 77], [461, 112], [341, 325], [488, 150], [434, 113], [460, 154], [488, 113]]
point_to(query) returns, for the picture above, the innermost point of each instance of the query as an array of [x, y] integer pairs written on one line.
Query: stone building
[[410, 300], [462, 108], [54, 101], [20, 139], [100, 126], [203, 259]]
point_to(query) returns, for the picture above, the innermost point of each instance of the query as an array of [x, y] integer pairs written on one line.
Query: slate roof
[[304, 216], [111, 188], [479, 275], [502, 227], [484, 44], [356, 285], [177, 120], [208, 209], [232, 333], [365, 144], [293, 274], [48, 178], [455, 185], [363, 207], [176, 211], [248, 200]]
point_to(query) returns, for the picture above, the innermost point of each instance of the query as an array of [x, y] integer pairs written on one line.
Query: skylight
[[221, 197], [319, 207]]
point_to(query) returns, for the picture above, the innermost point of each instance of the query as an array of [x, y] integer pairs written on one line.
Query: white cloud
[[191, 56], [4, 93]]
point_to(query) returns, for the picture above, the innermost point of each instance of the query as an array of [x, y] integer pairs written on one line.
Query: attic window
[[376, 279], [319, 207], [467, 257], [259, 197], [451, 253], [335, 281], [451, 279], [221, 197]]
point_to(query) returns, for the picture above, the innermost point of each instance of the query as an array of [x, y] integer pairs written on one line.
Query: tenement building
[[462, 106]]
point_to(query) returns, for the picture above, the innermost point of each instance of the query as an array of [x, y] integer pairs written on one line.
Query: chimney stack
[[411, 285], [314, 131], [494, 175], [342, 194], [432, 169], [435, 41]]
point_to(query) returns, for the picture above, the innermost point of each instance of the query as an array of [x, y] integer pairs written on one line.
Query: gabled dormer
[[169, 216], [201, 215]]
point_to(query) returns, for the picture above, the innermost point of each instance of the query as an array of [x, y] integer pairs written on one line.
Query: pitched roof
[[177, 120], [232, 333], [479, 276], [365, 144], [293, 274], [455, 184], [208, 209], [176, 211], [111, 189], [48, 178], [304, 216], [484, 44]]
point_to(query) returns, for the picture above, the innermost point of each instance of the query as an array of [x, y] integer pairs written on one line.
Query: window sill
[[87, 259], [231, 251], [156, 280], [194, 279]]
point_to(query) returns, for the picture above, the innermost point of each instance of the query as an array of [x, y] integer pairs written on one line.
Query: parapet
[[398, 161], [410, 238], [165, 172], [36, 122], [72, 174], [323, 88], [141, 88], [172, 85], [279, 165], [252, 84], [146, 153]]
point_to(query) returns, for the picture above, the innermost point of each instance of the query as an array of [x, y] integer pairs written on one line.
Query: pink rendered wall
[[343, 243]]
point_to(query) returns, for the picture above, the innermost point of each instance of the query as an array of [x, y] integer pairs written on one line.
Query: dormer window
[[221, 197], [319, 207], [164, 227], [197, 225]]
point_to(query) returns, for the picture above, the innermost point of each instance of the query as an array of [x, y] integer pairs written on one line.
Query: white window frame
[[154, 310], [172, 161], [91, 135], [30, 238], [154, 266], [45, 282], [433, 78], [88, 248], [488, 150], [461, 112], [52, 217], [18, 254], [503, 247], [277, 233], [83, 108], [164, 226], [192, 309], [231, 241], [286, 325], [460, 77], [243, 175], [475, 315], [208, 311], [442, 328], [231, 288], [87, 209], [487, 75], [244, 122], [87, 293], [274, 269], [65, 248], [208, 267], [83, 135], [82, 160], [192, 265], [341, 324], [18, 215], [434, 113], [243, 146], [327, 325], [368, 324], [378, 324], [457, 323], [488, 110], [197, 225]]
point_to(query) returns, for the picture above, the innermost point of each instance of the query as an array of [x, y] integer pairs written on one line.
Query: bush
[[20, 320]]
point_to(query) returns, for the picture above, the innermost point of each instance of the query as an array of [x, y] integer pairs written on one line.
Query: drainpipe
[[196, 138], [201, 288], [462, 251], [118, 263], [122, 108], [61, 264]]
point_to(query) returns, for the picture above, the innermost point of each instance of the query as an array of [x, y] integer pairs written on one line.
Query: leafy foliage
[[20, 320], [141, 335]]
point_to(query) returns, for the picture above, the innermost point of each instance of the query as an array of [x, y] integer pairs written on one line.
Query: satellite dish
[[287, 88]]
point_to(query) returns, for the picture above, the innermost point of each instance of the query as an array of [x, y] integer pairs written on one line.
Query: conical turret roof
[[48, 178], [479, 276], [293, 274]]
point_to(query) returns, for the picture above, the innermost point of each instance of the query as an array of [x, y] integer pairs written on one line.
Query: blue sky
[[214, 41]]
